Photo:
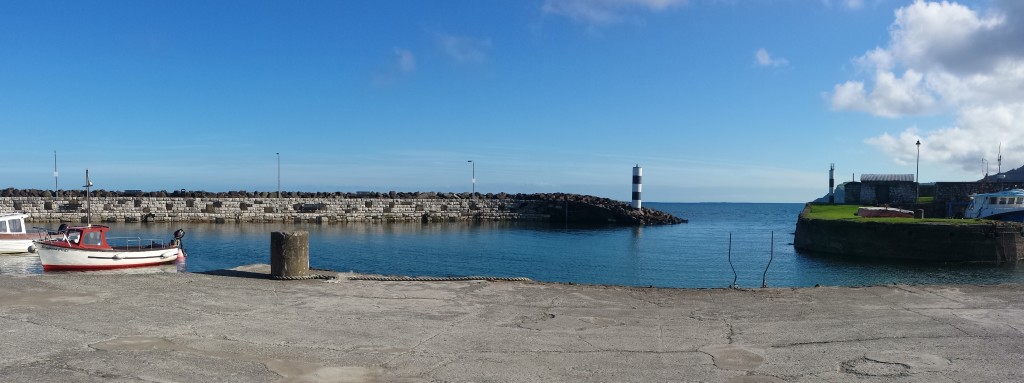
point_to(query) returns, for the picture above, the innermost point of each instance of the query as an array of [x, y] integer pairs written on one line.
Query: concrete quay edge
[[240, 326]]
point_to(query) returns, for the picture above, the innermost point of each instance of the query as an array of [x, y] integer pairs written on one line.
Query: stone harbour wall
[[970, 241], [327, 208], [316, 210]]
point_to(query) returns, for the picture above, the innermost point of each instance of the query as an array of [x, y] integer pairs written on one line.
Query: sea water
[[746, 244]]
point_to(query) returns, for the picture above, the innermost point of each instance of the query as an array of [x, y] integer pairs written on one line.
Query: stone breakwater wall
[[970, 241], [326, 208]]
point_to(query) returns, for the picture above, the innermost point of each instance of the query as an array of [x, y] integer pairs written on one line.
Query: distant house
[[883, 189]]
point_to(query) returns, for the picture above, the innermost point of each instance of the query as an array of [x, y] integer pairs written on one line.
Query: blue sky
[[737, 101]]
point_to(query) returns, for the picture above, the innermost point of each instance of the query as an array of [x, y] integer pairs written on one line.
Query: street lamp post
[[56, 187], [278, 175], [474, 176], [918, 175]]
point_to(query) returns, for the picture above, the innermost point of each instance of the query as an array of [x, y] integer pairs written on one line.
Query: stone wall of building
[[898, 193], [961, 191]]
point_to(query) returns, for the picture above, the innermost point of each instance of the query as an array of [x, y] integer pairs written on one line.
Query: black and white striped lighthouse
[[832, 184], [638, 173]]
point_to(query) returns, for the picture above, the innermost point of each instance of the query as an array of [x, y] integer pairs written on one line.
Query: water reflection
[[20, 264]]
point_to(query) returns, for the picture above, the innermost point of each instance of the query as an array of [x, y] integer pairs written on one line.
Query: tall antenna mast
[[999, 160]]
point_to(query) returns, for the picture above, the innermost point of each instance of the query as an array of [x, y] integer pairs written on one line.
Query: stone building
[[883, 189]]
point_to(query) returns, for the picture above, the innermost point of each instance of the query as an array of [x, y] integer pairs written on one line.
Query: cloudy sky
[[718, 100]]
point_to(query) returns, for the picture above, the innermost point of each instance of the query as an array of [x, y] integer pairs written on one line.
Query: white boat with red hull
[[87, 247]]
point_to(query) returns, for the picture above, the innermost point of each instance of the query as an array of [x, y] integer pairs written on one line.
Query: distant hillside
[[1015, 175]]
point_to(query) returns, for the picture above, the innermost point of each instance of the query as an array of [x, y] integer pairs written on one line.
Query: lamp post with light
[[474, 176], [278, 175], [917, 177]]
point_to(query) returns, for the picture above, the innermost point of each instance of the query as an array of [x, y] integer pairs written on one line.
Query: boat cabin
[[1006, 205], [87, 237], [12, 223]]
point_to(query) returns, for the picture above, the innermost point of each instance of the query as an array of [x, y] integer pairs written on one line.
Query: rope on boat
[[439, 279]]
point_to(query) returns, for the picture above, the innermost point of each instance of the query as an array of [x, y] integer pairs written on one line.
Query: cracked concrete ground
[[241, 327]]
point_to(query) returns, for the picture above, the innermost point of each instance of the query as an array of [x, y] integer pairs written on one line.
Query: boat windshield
[[73, 236], [92, 238]]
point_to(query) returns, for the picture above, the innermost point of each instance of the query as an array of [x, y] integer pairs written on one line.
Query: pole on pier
[[289, 254], [638, 173]]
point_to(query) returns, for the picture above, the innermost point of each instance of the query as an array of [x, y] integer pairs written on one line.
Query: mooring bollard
[[289, 254]]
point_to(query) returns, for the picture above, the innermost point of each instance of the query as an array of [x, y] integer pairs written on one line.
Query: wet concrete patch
[[733, 357], [754, 379], [914, 361], [895, 363], [292, 371]]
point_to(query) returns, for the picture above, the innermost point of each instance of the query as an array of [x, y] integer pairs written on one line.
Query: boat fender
[[117, 257], [31, 249]]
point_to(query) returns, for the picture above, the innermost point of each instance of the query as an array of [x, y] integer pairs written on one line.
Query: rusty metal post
[[289, 254]]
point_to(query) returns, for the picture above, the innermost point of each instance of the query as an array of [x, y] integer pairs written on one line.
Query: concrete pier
[[241, 326]]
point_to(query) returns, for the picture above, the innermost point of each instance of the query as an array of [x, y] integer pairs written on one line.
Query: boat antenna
[[88, 201], [999, 160]]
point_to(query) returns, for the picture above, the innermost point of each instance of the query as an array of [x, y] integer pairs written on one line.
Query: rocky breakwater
[[585, 209], [968, 240], [325, 207]]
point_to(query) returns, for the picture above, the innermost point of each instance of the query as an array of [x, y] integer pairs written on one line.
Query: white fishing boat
[[1006, 205], [87, 247], [14, 235]]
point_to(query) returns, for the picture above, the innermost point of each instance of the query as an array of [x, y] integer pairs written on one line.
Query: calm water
[[689, 255]]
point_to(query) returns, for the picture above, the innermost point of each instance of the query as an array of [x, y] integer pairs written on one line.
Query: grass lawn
[[846, 212]]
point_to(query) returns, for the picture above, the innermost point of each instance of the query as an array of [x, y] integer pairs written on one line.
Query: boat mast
[[88, 201]]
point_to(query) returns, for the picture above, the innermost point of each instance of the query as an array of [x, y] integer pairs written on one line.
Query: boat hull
[[63, 258], [15, 246], [1013, 216]]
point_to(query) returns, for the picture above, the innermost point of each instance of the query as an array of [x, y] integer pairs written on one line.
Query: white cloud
[[463, 49], [406, 60], [605, 12], [765, 59], [945, 57], [892, 97]]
